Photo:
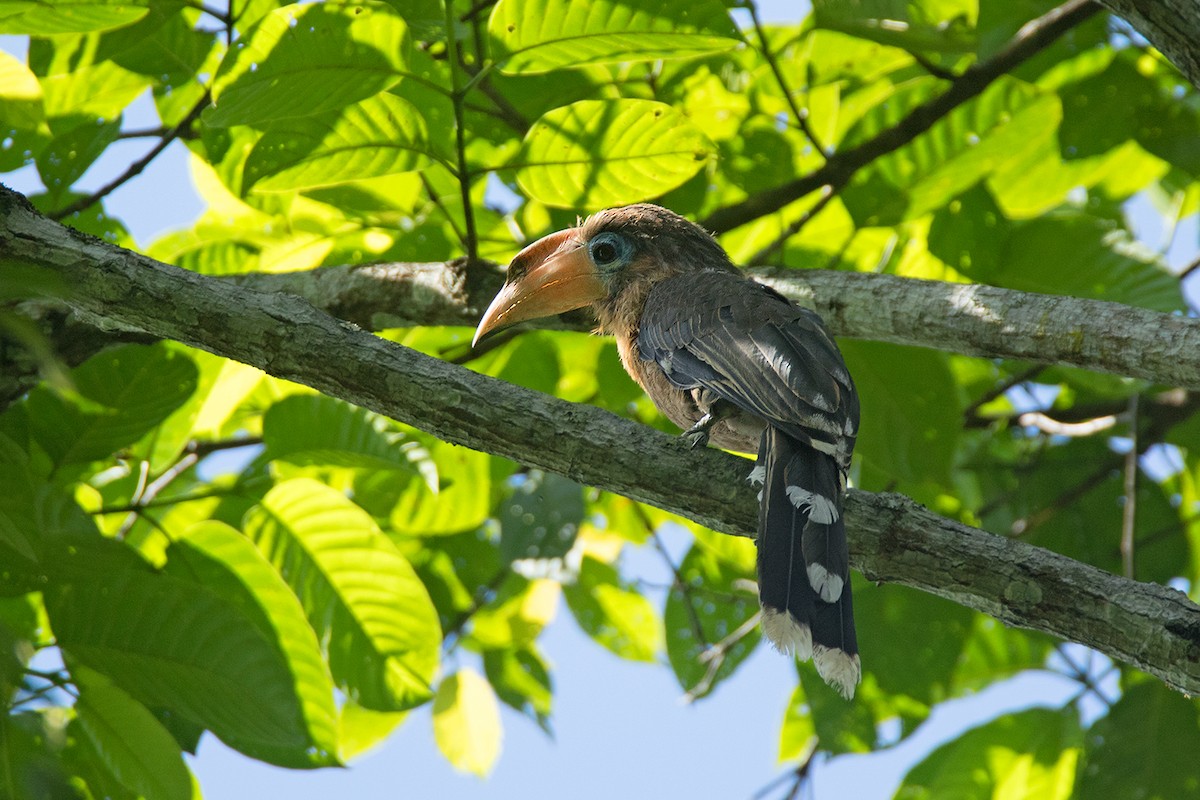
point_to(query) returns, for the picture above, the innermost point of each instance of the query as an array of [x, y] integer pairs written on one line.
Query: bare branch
[[136, 167], [1152, 627], [840, 167]]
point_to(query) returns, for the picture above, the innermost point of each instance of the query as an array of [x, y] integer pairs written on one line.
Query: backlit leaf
[[1027, 754], [617, 617], [369, 608], [381, 135], [40, 18], [134, 746], [175, 644], [223, 560], [541, 35], [466, 722], [306, 59], [597, 153]]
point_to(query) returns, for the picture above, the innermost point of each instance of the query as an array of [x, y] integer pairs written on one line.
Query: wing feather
[[751, 347]]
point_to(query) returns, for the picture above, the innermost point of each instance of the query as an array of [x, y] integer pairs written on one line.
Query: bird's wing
[[749, 346]]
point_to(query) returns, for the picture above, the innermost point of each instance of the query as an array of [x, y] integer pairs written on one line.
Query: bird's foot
[[697, 435]]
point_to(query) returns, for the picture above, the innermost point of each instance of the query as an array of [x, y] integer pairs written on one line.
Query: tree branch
[[971, 319], [1152, 627], [837, 171], [1173, 26]]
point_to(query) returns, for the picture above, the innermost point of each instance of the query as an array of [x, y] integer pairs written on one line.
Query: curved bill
[[550, 276]]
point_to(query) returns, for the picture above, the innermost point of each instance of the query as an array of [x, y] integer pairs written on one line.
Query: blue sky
[[621, 729]]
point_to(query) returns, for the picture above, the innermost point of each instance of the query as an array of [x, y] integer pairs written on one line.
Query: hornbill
[[734, 363]]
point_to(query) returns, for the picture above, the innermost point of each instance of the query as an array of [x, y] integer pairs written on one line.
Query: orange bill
[[550, 276]]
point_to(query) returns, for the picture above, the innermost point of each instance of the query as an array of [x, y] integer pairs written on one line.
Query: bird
[[736, 365]]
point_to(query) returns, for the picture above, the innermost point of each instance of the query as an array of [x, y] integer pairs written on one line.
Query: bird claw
[[697, 435]]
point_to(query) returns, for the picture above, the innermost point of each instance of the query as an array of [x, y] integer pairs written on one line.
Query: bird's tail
[[804, 560]]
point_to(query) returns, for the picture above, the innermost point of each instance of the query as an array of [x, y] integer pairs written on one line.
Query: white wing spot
[[758, 475], [825, 583], [821, 509]]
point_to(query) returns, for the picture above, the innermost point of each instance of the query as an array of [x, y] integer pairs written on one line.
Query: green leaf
[[517, 614], [617, 617], [382, 135], [964, 147], [462, 501], [816, 709], [32, 767], [1080, 255], [68, 155], [1028, 754], [369, 608], [221, 559], [361, 730], [713, 602], [994, 651], [532, 36], [132, 743], [75, 86], [466, 722], [18, 514], [20, 94], [541, 517], [522, 681], [122, 394], [171, 643], [907, 395], [314, 430], [918, 639], [1096, 116], [597, 153], [946, 26], [307, 59], [68, 16], [1144, 748]]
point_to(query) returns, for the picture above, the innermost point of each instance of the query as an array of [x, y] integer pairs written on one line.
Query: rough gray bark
[[970, 319], [1151, 627], [1173, 26]]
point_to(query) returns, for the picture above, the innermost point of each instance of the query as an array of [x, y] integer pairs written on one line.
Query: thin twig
[[714, 657], [471, 242], [1189, 269], [933, 69], [144, 133], [793, 228], [1129, 511], [436, 199], [991, 394], [842, 166], [680, 584], [474, 11], [140, 499], [136, 167], [800, 115]]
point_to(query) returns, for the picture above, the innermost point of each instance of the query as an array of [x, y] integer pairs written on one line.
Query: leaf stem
[[136, 167], [801, 115], [470, 240], [843, 165]]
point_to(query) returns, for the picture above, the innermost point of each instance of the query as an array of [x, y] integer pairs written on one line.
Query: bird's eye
[[609, 249]]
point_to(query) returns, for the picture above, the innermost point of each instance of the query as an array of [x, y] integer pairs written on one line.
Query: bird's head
[[597, 261]]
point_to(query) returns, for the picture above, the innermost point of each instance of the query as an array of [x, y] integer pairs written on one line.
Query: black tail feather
[[803, 559]]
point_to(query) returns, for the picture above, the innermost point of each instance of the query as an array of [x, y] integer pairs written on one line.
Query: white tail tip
[[790, 636], [839, 669]]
